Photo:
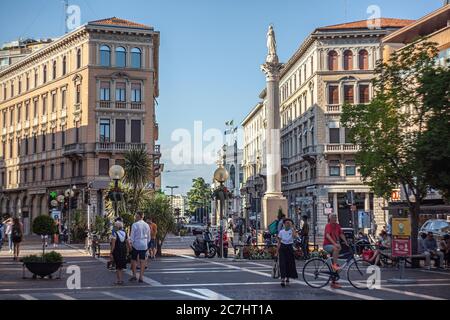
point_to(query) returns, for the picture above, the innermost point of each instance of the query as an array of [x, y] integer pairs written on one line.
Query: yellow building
[[71, 110]]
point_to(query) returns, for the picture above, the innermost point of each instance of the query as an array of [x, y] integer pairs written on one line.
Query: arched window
[[78, 58], [105, 56], [44, 75], [64, 66], [332, 60], [136, 58], [54, 70], [363, 60], [348, 60], [121, 57]]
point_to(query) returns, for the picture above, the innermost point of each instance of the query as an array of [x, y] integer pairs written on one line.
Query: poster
[[401, 247]]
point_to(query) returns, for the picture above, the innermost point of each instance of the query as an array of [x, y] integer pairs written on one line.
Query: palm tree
[[138, 168]]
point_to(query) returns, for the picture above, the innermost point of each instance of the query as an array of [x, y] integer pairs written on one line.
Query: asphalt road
[[184, 277]]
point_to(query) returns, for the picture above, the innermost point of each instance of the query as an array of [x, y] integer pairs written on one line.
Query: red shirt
[[334, 230]]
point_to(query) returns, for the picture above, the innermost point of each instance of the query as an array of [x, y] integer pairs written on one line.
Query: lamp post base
[[271, 203]]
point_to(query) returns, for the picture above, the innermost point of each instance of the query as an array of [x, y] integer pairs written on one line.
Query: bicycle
[[93, 245], [318, 272]]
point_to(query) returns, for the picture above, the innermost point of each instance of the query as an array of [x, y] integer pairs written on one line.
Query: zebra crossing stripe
[[64, 296], [116, 296], [27, 297]]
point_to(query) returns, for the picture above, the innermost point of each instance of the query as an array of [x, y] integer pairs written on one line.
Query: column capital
[[272, 70]]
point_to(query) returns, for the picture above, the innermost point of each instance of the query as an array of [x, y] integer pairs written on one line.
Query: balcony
[[44, 119], [11, 129], [118, 146], [333, 108], [120, 105], [3, 131], [27, 124], [74, 150], [341, 148], [64, 113], [157, 149]]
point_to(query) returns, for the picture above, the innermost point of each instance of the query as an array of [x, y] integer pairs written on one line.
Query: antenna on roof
[[66, 16]]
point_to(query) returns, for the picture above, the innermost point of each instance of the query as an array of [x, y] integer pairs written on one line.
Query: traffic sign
[[401, 247], [401, 227]]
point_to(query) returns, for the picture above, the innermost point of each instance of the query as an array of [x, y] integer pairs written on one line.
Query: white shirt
[[8, 229], [140, 235], [286, 237]]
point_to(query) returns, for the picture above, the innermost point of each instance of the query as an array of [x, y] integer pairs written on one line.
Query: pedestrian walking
[[286, 258], [1, 234], [305, 236], [57, 233], [16, 236], [152, 244], [140, 237], [8, 233], [120, 246]]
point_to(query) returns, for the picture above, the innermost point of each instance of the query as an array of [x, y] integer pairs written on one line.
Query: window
[[27, 111], [62, 170], [20, 86], [121, 57], [25, 175], [18, 148], [42, 173], [135, 131], [136, 92], [54, 70], [120, 130], [105, 91], [54, 102], [63, 99], [19, 111], [64, 66], [11, 117], [63, 137], [33, 174], [363, 60], [105, 56], [35, 78], [334, 168], [332, 60], [35, 109], [105, 130], [78, 58], [333, 95], [348, 60], [77, 134], [350, 168], [27, 83], [136, 58], [348, 94], [12, 89], [334, 135], [53, 140], [52, 172], [364, 96], [34, 144], [80, 168], [10, 148], [73, 165], [78, 94], [44, 75], [26, 145], [120, 92], [347, 136], [43, 142], [44, 105], [103, 167]]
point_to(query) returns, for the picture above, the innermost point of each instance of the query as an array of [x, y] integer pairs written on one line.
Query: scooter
[[204, 244], [225, 245]]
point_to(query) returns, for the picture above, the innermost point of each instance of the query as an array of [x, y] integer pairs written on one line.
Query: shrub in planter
[[44, 226], [43, 265]]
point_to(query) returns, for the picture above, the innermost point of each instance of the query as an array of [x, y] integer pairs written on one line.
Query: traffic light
[[52, 197], [73, 203]]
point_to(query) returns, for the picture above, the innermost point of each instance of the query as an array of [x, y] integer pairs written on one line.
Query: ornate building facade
[[333, 66], [70, 111]]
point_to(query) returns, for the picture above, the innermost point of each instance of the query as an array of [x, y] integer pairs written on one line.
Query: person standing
[[286, 252], [8, 233], [57, 233], [305, 236], [140, 237], [332, 244], [1, 234], [17, 236], [153, 232], [120, 246]]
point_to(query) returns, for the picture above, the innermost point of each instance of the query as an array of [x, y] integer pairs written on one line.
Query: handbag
[[276, 269]]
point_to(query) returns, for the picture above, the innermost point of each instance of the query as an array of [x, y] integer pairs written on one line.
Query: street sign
[[401, 247], [401, 227], [56, 214], [54, 203]]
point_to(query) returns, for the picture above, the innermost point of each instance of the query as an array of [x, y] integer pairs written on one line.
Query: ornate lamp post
[[69, 193], [116, 173], [221, 175]]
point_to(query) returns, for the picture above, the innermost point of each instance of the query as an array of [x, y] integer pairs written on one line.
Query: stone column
[[273, 199]]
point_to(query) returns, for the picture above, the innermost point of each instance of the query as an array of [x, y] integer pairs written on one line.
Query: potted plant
[[47, 263]]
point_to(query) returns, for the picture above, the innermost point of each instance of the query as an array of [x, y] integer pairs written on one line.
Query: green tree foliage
[[158, 208], [199, 196], [44, 226], [388, 129]]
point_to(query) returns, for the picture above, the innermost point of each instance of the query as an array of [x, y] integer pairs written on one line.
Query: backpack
[[120, 248], [16, 234], [273, 227]]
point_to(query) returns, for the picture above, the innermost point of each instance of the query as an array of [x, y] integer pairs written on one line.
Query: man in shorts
[[139, 238], [152, 244], [333, 236]]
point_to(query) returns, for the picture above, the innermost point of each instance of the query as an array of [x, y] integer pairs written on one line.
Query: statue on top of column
[[271, 46]]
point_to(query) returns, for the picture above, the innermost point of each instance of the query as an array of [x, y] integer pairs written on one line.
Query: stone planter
[[42, 269]]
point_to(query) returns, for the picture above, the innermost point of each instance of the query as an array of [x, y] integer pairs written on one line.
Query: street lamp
[[69, 193], [116, 173], [171, 196], [221, 175]]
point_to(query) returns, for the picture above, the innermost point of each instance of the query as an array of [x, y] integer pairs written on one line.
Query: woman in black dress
[[286, 253], [120, 246]]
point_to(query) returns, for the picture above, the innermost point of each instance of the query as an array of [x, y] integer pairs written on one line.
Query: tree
[[199, 197], [388, 129], [158, 208]]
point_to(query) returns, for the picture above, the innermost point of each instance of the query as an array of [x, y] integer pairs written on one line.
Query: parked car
[[437, 226]]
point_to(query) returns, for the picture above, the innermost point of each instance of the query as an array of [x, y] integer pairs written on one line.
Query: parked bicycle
[[318, 272], [93, 244]]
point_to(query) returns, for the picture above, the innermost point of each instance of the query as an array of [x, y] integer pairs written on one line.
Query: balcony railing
[[341, 148], [73, 149], [157, 149], [334, 108], [119, 146], [108, 105]]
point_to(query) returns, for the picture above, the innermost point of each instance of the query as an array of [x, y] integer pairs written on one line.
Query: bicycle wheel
[[316, 273], [360, 274]]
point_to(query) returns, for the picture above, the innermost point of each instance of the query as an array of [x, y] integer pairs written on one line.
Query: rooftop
[[118, 22], [364, 24]]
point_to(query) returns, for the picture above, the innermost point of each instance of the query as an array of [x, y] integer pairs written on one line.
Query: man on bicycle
[[332, 243]]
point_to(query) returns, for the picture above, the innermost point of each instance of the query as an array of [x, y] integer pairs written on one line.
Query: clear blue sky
[[210, 49]]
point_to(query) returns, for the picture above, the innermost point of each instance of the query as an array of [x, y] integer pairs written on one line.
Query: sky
[[210, 51]]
